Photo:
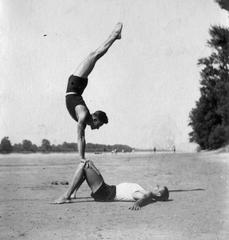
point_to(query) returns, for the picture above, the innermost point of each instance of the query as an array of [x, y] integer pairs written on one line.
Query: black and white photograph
[[114, 119]]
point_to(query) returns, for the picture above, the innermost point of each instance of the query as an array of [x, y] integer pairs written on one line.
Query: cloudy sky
[[147, 83]]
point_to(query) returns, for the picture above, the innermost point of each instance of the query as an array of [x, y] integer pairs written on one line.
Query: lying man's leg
[[75, 184], [73, 195], [94, 177], [100, 190], [85, 170]]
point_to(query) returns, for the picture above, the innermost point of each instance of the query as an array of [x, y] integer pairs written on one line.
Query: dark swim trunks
[[104, 193], [76, 85]]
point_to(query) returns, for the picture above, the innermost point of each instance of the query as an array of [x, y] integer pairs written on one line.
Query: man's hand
[[135, 207], [86, 163]]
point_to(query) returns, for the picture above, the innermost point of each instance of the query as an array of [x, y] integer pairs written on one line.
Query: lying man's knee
[[87, 163]]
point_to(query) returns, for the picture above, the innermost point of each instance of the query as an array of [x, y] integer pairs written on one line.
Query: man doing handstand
[[75, 103], [76, 85], [101, 191]]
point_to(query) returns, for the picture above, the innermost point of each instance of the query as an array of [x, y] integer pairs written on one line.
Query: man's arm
[[142, 199], [82, 114], [81, 139]]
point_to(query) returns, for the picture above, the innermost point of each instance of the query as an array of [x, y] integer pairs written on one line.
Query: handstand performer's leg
[[88, 64]]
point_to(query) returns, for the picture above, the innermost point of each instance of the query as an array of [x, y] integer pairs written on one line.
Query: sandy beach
[[198, 207]]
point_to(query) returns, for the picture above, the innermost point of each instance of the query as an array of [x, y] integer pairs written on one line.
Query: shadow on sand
[[187, 190]]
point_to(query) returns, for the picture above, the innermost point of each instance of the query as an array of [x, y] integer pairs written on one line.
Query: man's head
[[98, 119], [160, 193]]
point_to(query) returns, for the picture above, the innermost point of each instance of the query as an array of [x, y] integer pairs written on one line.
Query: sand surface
[[198, 206]]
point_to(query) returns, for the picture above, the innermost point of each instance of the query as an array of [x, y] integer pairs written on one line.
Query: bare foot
[[117, 31], [61, 200], [73, 196]]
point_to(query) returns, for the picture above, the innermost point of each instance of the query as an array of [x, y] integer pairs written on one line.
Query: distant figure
[[174, 149], [103, 192], [154, 150], [75, 88], [114, 151]]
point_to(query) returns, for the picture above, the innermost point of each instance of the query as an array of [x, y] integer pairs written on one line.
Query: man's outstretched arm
[[142, 199]]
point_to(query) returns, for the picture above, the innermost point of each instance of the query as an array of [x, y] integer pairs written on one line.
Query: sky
[[147, 83]]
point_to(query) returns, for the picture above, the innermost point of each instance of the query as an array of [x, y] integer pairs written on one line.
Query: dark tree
[[6, 146], [45, 145], [69, 147], [34, 148], [224, 4], [27, 145], [18, 148], [209, 119]]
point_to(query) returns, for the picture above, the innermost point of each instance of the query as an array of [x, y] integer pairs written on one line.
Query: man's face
[[158, 189], [96, 124]]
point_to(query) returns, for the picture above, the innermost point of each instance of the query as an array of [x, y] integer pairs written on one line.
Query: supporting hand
[[86, 163]]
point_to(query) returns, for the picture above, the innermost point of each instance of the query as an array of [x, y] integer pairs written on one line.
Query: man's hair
[[101, 116], [164, 194]]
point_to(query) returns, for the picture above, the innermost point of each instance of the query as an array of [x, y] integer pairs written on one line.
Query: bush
[[217, 138], [6, 146]]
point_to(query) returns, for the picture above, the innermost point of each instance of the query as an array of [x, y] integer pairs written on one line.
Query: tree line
[[210, 117], [46, 147]]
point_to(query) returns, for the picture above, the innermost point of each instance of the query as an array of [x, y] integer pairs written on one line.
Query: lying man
[[101, 191]]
